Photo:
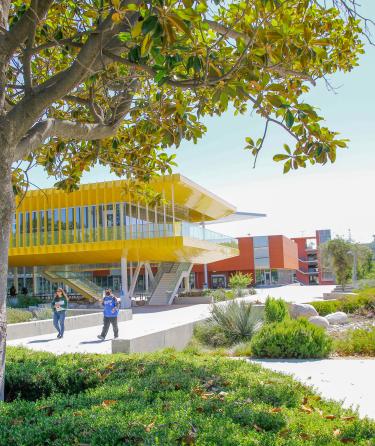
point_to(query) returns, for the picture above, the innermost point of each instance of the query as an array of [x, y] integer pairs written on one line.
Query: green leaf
[[287, 166], [289, 119], [149, 24], [280, 157]]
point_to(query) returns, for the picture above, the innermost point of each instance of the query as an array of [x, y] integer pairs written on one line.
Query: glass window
[[70, 225], [101, 222], [41, 227], [56, 226], [63, 225], [20, 229], [86, 223], [261, 252], [260, 241], [49, 226], [93, 223], [34, 218], [78, 224], [27, 228]]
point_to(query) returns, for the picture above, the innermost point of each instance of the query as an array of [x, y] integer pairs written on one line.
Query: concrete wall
[[177, 337], [36, 328]]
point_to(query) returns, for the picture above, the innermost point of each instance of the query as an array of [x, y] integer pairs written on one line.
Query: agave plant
[[237, 320]]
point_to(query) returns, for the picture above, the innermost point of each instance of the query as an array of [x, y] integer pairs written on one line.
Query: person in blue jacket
[[111, 309]]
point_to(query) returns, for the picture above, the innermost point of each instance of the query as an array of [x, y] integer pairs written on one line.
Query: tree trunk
[[6, 215]]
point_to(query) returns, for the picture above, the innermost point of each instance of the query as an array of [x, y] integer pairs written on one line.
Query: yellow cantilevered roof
[[201, 204]]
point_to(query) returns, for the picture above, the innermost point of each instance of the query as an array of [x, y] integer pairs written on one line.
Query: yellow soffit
[[167, 249], [201, 204]]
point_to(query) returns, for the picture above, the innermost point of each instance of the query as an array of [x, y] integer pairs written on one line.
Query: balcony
[[180, 241]]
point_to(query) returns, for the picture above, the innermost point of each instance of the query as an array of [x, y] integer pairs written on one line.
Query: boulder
[[337, 318], [320, 321], [302, 310]]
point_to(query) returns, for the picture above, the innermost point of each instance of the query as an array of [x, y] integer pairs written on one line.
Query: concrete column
[[205, 271], [125, 300], [35, 281], [15, 278], [146, 278]]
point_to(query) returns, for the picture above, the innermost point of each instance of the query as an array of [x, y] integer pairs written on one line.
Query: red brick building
[[272, 260]]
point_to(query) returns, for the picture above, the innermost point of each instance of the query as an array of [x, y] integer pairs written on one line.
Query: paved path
[[347, 380], [150, 319], [145, 321], [295, 293]]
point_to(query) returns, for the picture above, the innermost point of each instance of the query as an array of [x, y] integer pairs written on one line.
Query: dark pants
[[58, 321], [107, 321]]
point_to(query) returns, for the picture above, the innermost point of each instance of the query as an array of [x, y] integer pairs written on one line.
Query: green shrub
[[218, 295], [356, 342], [14, 316], [43, 313], [291, 339], [325, 307], [363, 301], [275, 310], [27, 301], [238, 282], [211, 334], [166, 398], [237, 320]]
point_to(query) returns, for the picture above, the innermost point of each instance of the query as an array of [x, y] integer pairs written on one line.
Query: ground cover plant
[[294, 338], [15, 315], [364, 300], [359, 342], [166, 398]]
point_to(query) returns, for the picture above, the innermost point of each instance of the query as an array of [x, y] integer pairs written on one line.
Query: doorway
[[218, 281]]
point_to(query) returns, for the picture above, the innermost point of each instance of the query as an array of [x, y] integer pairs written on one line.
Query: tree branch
[[70, 130], [279, 69]]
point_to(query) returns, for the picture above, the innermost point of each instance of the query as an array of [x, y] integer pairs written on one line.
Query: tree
[[346, 259], [118, 82], [240, 281]]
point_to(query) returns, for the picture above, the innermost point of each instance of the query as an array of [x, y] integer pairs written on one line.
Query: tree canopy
[[120, 82]]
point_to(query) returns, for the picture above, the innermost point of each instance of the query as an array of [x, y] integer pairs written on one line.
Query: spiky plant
[[237, 320]]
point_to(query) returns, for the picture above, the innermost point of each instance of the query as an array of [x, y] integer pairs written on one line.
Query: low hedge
[[359, 342], [364, 300], [14, 316], [169, 398], [291, 339]]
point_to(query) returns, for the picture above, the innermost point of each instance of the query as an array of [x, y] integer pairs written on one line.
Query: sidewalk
[[348, 380]]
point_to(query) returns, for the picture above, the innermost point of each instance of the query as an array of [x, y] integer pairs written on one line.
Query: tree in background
[[346, 259], [239, 282], [118, 82]]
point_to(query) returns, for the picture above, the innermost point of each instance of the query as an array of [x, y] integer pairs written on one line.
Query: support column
[[146, 279], [125, 300], [35, 284], [205, 270], [15, 278]]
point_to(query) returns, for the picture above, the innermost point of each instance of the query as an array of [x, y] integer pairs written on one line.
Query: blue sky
[[338, 196]]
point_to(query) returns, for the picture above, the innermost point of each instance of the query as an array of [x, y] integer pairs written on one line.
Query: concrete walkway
[[348, 380], [150, 319], [145, 321]]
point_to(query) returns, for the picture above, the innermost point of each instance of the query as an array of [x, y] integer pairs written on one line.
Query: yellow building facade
[[63, 236]]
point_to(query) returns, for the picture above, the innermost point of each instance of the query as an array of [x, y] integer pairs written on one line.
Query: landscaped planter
[[37, 328]]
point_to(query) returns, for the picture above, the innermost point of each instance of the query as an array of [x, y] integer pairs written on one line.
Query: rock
[[320, 321], [337, 318], [302, 310]]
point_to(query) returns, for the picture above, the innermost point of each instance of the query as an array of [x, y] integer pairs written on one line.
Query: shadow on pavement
[[40, 341], [96, 341]]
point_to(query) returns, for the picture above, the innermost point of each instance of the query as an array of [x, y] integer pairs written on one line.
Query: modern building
[[311, 269], [105, 234], [272, 260]]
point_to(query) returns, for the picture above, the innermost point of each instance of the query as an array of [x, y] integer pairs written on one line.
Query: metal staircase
[[167, 281], [77, 282]]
